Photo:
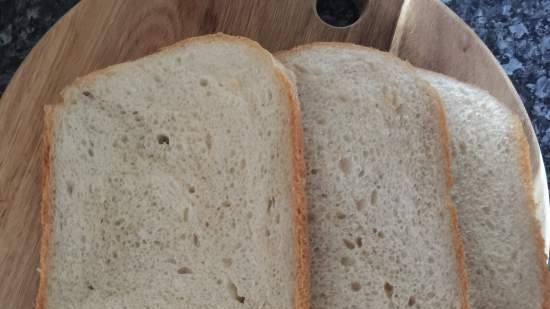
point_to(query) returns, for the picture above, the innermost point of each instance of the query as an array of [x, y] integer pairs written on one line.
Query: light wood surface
[[98, 33]]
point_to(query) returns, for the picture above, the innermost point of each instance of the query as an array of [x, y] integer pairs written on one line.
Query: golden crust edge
[[457, 242], [301, 247], [530, 204]]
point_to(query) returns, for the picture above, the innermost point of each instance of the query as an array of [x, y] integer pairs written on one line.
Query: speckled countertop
[[518, 33]]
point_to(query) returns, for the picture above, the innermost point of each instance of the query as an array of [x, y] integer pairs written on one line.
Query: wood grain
[[98, 33]]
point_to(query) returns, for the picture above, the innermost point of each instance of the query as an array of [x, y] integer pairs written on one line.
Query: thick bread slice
[[383, 233], [175, 181], [492, 192]]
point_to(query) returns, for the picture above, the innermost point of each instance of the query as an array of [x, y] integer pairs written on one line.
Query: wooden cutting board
[[98, 33]]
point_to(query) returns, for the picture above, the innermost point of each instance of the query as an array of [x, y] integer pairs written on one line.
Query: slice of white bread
[[175, 181], [492, 192], [383, 232]]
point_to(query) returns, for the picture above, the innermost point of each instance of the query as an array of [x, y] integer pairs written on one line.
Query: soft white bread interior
[[383, 233], [175, 182], [493, 195]]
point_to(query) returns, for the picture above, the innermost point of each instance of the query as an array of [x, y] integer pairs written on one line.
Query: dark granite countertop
[[518, 33]]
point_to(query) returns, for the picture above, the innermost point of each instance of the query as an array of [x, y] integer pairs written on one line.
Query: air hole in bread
[[191, 189], [88, 94], [380, 234], [70, 187], [91, 287], [340, 215], [196, 240], [355, 286], [119, 222], [163, 139], [321, 121], [361, 173], [361, 204], [184, 270], [226, 204], [347, 138], [347, 261], [374, 197], [270, 204], [388, 289], [359, 242], [349, 244], [171, 261], [227, 262], [267, 232], [90, 152], [185, 214], [462, 147], [314, 171], [345, 165], [489, 224], [124, 139], [412, 301], [208, 141], [233, 291]]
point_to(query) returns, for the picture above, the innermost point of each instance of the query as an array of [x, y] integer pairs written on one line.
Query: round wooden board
[[98, 33]]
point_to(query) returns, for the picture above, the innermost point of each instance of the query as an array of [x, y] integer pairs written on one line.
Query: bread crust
[[301, 247], [109, 70], [45, 205], [529, 202], [457, 243], [299, 208], [524, 163]]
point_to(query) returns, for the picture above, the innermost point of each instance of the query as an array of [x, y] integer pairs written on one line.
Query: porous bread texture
[[493, 195], [382, 230], [174, 182]]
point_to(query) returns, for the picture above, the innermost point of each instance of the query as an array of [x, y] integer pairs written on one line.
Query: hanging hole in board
[[340, 13]]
